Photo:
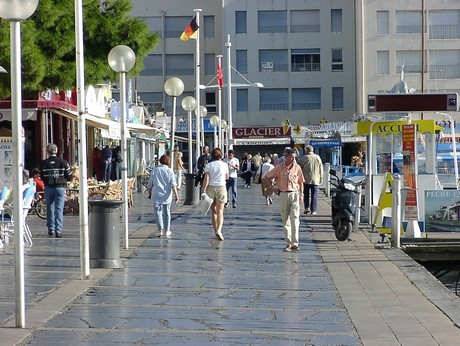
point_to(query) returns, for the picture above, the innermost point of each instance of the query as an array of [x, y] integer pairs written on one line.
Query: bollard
[[105, 229], [396, 212], [191, 191]]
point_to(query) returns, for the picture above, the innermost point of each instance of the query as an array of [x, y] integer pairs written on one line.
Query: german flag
[[190, 30]]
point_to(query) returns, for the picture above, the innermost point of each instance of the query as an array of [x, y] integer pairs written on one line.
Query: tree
[[48, 44]]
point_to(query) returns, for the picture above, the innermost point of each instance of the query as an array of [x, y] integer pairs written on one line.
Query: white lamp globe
[[174, 87], [189, 103], [15, 10], [121, 58]]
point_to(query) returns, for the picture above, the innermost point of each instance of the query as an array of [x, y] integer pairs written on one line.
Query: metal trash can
[[104, 230], [191, 191]]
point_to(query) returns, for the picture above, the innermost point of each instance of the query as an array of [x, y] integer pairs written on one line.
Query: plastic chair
[[7, 222], [4, 195]]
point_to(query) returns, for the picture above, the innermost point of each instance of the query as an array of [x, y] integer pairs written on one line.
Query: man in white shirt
[[233, 168]]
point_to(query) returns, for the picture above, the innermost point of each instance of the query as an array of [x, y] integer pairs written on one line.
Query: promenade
[[191, 289]]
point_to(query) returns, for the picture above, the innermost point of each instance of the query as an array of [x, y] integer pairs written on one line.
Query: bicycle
[[39, 205]]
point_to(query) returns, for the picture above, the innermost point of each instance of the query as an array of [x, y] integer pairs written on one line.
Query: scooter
[[346, 204]]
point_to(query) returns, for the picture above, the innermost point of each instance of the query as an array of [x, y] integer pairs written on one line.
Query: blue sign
[[183, 126], [325, 143]]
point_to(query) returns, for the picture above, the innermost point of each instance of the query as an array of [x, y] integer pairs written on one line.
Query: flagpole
[[199, 141], [228, 44], [219, 94]]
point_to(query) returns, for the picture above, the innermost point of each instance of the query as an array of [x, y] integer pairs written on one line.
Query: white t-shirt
[[217, 172], [233, 173]]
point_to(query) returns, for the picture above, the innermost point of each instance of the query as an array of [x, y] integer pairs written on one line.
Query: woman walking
[[214, 184], [178, 168], [160, 187], [267, 191]]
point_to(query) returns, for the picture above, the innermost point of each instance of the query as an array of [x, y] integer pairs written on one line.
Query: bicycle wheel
[[40, 208]]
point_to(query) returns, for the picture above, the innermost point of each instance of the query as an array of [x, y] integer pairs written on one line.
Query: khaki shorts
[[217, 193]]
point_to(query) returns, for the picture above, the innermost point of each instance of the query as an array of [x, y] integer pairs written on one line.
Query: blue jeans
[[55, 198], [162, 215], [310, 198], [232, 183]]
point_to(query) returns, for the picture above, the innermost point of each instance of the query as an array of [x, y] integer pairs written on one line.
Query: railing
[[305, 28], [180, 71], [274, 107], [152, 72], [409, 68], [276, 67], [172, 34], [299, 106], [300, 67], [408, 29], [444, 71], [444, 31], [272, 28]]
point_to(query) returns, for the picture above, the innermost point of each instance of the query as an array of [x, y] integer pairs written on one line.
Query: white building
[[318, 60]]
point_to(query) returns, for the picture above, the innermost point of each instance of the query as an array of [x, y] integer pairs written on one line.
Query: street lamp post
[[215, 123], [201, 114], [174, 87], [14, 11], [189, 105], [224, 126], [122, 59]]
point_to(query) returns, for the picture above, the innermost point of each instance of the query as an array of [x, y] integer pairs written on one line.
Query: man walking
[[289, 184], [312, 169], [201, 164], [232, 182], [55, 173]]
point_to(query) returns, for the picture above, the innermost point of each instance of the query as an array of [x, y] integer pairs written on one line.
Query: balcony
[[439, 32]]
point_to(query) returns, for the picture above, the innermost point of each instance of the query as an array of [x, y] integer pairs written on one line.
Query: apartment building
[[303, 52]]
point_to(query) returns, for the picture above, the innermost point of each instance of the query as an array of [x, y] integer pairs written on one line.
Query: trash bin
[[104, 229], [191, 191]]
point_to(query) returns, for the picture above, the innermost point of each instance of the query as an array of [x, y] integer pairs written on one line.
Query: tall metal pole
[[199, 144], [219, 93], [173, 132], [228, 44], [18, 167], [82, 148], [124, 159], [190, 142]]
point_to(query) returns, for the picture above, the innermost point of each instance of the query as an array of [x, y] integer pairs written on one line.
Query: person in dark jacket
[[55, 173], [248, 169]]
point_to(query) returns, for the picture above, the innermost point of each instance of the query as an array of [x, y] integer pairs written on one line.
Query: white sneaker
[[160, 233], [314, 213], [219, 236], [168, 233]]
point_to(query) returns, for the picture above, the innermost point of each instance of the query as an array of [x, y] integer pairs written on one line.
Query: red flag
[[220, 76], [190, 30]]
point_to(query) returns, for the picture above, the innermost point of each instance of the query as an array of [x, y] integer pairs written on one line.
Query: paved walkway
[[192, 289]]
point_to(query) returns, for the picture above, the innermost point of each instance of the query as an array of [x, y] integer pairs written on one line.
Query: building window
[[242, 61], [155, 25], [447, 64], [408, 22], [242, 100], [152, 65], [274, 100], [179, 64], [305, 60], [383, 62], [337, 59], [273, 60], [272, 21], [409, 60], [306, 99], [444, 24], [174, 26], [383, 26], [305, 21], [210, 64], [209, 27], [337, 98], [240, 22], [210, 102], [151, 99], [336, 20]]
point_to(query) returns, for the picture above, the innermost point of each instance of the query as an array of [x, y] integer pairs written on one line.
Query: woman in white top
[[267, 192], [214, 184]]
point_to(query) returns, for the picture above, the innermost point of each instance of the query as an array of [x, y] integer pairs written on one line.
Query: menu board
[[6, 164]]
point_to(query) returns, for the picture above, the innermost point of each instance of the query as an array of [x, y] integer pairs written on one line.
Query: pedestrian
[[289, 184], [312, 169], [232, 182], [116, 163], [257, 161], [200, 165], [275, 160], [267, 191], [107, 162], [55, 173], [248, 169], [179, 168], [161, 185], [39, 184], [214, 184]]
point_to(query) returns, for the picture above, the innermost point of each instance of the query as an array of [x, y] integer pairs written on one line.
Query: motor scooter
[[346, 204]]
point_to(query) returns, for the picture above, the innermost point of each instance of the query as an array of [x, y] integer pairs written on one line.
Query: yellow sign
[[363, 128]]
